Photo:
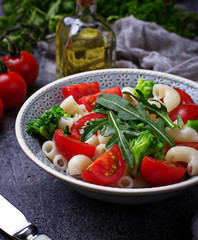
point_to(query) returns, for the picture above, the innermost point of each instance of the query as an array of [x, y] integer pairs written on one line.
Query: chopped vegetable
[[45, 125], [106, 169], [145, 86], [193, 124], [146, 144], [157, 172]]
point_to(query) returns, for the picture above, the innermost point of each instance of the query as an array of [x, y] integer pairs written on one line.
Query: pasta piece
[[129, 98], [82, 110], [184, 154], [93, 140], [49, 149], [171, 98], [63, 122], [60, 162], [102, 139], [77, 164], [124, 182], [100, 149], [185, 134], [69, 105]]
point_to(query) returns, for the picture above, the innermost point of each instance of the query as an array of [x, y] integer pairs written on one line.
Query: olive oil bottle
[[84, 42]]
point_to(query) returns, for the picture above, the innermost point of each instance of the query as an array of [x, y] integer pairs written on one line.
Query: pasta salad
[[132, 137]]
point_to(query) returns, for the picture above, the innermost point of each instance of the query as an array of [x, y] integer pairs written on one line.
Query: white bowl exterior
[[51, 95]]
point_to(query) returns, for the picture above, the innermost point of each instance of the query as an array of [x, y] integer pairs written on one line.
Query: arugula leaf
[[117, 129], [153, 109], [126, 111], [93, 127]]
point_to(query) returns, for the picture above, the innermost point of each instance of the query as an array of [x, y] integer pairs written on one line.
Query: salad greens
[[125, 123], [44, 15]]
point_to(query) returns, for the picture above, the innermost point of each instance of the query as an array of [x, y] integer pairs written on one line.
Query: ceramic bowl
[[51, 94]]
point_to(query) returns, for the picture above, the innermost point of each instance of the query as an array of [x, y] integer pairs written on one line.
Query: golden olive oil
[[83, 43]]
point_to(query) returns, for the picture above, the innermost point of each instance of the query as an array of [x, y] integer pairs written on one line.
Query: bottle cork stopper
[[86, 3]]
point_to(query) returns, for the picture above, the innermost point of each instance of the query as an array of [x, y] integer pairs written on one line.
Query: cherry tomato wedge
[[159, 172], [90, 100], [78, 127], [80, 90], [106, 169], [70, 147], [185, 98], [186, 111], [1, 108], [188, 144]]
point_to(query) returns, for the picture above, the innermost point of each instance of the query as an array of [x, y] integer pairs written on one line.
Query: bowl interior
[[51, 95]]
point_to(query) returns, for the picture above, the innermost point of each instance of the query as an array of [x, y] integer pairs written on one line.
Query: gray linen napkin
[[146, 45]]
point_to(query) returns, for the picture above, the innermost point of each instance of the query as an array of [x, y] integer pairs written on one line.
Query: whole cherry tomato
[[13, 89], [1, 108], [25, 64]]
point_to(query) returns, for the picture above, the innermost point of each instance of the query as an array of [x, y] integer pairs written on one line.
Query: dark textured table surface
[[63, 214]]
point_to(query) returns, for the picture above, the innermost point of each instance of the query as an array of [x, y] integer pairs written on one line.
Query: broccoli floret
[[45, 125], [145, 86], [146, 144]]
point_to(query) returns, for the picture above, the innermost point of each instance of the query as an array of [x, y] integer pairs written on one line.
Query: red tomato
[[70, 147], [78, 127], [106, 169], [188, 144], [1, 108], [13, 89], [186, 111], [159, 172], [25, 64], [185, 98], [90, 100], [80, 90]]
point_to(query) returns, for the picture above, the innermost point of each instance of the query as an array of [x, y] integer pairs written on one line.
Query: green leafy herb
[[118, 131], [153, 109], [126, 112]]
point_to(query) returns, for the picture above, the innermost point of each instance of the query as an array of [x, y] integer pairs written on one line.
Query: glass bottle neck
[[85, 8]]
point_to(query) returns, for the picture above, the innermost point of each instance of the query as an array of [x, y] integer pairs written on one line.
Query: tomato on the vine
[[13, 88], [1, 108], [24, 64]]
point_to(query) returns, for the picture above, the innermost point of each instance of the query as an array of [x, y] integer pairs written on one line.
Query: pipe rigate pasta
[[100, 149], [60, 162], [93, 140], [124, 182], [129, 98], [171, 98], [77, 164], [69, 105], [63, 122], [49, 149], [185, 134], [184, 154]]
